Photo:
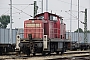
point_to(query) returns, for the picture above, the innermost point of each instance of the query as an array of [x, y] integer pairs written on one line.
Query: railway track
[[70, 55]]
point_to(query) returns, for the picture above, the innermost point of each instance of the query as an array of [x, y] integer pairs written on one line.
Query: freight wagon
[[44, 34], [5, 44]]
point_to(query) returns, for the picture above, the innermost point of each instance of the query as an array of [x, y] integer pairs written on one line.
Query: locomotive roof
[[43, 14], [48, 13]]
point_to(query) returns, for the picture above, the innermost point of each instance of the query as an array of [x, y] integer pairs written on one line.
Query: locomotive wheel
[[18, 53], [1, 50], [43, 53], [62, 52], [34, 54], [57, 52], [81, 49], [0, 53], [49, 53], [28, 54]]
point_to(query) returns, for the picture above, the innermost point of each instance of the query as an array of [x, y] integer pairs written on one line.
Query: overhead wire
[[5, 12], [72, 4], [24, 4], [30, 4], [25, 7], [21, 4], [19, 10], [22, 11], [71, 15], [74, 17]]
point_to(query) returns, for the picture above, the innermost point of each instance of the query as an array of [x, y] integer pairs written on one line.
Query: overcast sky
[[57, 6]]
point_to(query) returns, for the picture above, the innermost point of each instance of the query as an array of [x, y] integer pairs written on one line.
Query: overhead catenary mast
[[71, 17], [78, 21], [35, 8], [42, 6], [46, 5], [85, 27], [10, 22], [71, 21]]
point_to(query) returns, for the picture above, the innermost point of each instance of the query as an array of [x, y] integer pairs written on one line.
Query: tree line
[[81, 31], [4, 21]]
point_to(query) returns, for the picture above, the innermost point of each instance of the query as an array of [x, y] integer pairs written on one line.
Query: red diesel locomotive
[[45, 34]]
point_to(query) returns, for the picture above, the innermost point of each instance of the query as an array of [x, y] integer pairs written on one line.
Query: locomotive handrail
[[52, 32]]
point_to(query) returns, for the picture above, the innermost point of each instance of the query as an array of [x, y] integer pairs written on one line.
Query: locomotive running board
[[60, 40]]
